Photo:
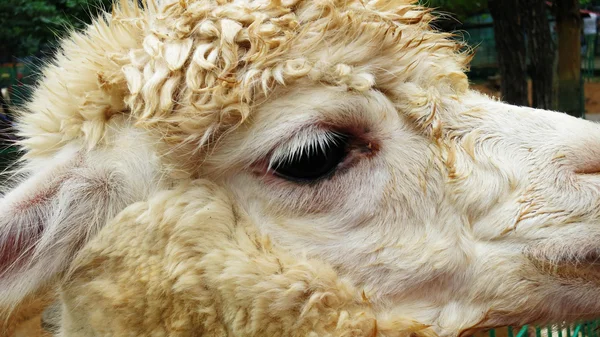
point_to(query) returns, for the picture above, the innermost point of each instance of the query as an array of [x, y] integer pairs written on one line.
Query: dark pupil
[[314, 164]]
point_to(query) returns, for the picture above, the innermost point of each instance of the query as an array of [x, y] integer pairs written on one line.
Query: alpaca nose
[[577, 147], [583, 153], [589, 167], [583, 159]]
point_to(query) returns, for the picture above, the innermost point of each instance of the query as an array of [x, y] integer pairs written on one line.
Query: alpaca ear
[[46, 219]]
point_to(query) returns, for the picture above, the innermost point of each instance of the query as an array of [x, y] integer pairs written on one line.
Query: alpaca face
[[345, 131], [493, 222]]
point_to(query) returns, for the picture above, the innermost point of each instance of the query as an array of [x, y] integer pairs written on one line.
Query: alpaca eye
[[315, 163]]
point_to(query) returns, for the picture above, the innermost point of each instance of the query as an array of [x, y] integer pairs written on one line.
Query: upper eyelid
[[306, 139], [279, 136]]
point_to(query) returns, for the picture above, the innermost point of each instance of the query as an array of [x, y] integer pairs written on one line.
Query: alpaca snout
[[577, 146], [590, 167], [582, 160]]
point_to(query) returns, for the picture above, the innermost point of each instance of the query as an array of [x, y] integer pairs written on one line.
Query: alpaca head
[[343, 130]]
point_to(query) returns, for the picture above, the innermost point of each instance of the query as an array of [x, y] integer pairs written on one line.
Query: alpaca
[[292, 168]]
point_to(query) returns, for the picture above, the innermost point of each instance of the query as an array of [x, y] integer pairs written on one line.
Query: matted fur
[[195, 69], [451, 212], [209, 273]]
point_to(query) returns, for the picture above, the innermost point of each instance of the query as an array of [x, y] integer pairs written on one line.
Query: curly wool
[[195, 69], [437, 213], [187, 72], [201, 269]]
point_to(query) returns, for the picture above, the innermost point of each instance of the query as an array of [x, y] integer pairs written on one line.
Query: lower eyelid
[[361, 145]]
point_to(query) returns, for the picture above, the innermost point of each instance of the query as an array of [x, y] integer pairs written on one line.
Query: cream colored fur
[[201, 269], [150, 202]]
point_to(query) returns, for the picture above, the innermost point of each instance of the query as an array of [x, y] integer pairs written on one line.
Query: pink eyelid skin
[[362, 144]]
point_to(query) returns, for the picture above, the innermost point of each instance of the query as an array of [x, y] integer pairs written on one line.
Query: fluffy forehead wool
[[193, 69]]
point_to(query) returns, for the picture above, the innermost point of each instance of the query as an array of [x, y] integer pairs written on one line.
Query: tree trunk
[[541, 52], [510, 45], [568, 25]]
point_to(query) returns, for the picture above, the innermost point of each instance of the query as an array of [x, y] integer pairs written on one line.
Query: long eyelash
[[307, 141]]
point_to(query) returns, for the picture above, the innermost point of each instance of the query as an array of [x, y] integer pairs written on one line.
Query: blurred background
[[29, 34], [541, 53]]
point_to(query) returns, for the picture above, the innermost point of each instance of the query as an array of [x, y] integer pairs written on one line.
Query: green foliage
[[27, 26], [460, 9]]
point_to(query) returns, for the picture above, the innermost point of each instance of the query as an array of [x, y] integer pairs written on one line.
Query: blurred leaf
[[460, 9], [29, 26]]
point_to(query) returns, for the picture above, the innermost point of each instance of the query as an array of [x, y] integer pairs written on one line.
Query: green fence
[[581, 329], [478, 32], [589, 57]]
